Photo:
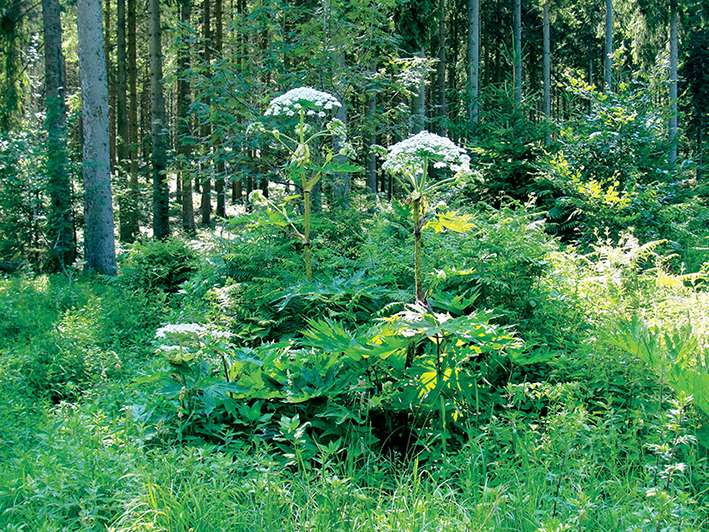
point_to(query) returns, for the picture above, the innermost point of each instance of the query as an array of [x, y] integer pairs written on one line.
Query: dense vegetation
[[500, 325]]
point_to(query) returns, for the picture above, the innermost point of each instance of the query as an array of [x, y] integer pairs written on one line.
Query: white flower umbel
[[180, 328], [190, 329], [410, 156], [310, 102]]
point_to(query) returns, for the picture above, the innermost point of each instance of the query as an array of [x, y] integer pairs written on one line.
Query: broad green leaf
[[451, 221]]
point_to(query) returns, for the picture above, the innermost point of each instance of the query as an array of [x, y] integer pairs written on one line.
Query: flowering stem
[[418, 215], [307, 203], [417, 249], [307, 250]]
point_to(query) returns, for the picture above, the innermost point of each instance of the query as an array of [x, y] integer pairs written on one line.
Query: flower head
[[312, 102], [190, 330], [180, 328], [409, 156]]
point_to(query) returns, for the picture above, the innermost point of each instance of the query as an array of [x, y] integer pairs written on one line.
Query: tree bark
[[517, 23], [123, 128], [109, 81], [674, 52], [342, 181], [218, 49], [60, 223], [608, 49], [132, 73], [473, 85], [206, 181], [99, 241], [184, 130], [161, 193], [547, 66], [442, 101], [371, 157]]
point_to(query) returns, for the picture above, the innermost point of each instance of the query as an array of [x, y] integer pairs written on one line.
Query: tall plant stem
[[417, 249], [307, 249], [418, 215]]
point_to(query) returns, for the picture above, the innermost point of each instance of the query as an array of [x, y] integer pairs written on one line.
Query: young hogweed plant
[[197, 355], [409, 161], [305, 166]]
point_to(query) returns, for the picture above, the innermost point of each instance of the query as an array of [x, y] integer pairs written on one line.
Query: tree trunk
[[123, 129], [371, 157], [184, 131], [60, 223], [547, 67], [161, 193], [473, 65], [342, 181], [673, 126], [132, 73], [517, 22], [206, 181], [442, 101], [218, 48], [109, 81], [608, 50], [98, 214]]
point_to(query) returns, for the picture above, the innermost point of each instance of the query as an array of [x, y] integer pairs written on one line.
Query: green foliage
[[64, 338], [158, 266], [506, 152], [610, 174], [21, 198], [675, 355]]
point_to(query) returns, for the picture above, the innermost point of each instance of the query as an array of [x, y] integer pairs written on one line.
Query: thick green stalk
[[307, 249], [417, 249], [418, 223], [307, 205]]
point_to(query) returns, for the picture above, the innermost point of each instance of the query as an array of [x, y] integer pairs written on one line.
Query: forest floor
[[78, 367]]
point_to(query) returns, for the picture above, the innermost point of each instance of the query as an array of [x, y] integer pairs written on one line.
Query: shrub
[[158, 265]]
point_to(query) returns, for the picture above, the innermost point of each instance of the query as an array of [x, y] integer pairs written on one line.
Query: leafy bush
[[610, 173], [161, 265]]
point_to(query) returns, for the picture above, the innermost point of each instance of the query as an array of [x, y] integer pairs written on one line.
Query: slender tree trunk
[[473, 85], [132, 73], [99, 241], [517, 22], [442, 101], [123, 128], [218, 48], [237, 185], [60, 223], [673, 126], [342, 182], [161, 192], [371, 157], [206, 181], [184, 131], [547, 66], [145, 120], [608, 49], [109, 80]]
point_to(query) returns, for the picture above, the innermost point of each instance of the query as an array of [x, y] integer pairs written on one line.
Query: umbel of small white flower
[[410, 155], [310, 101], [190, 329]]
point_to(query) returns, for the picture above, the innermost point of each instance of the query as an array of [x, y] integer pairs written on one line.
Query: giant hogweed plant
[[410, 161], [437, 368], [305, 166]]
